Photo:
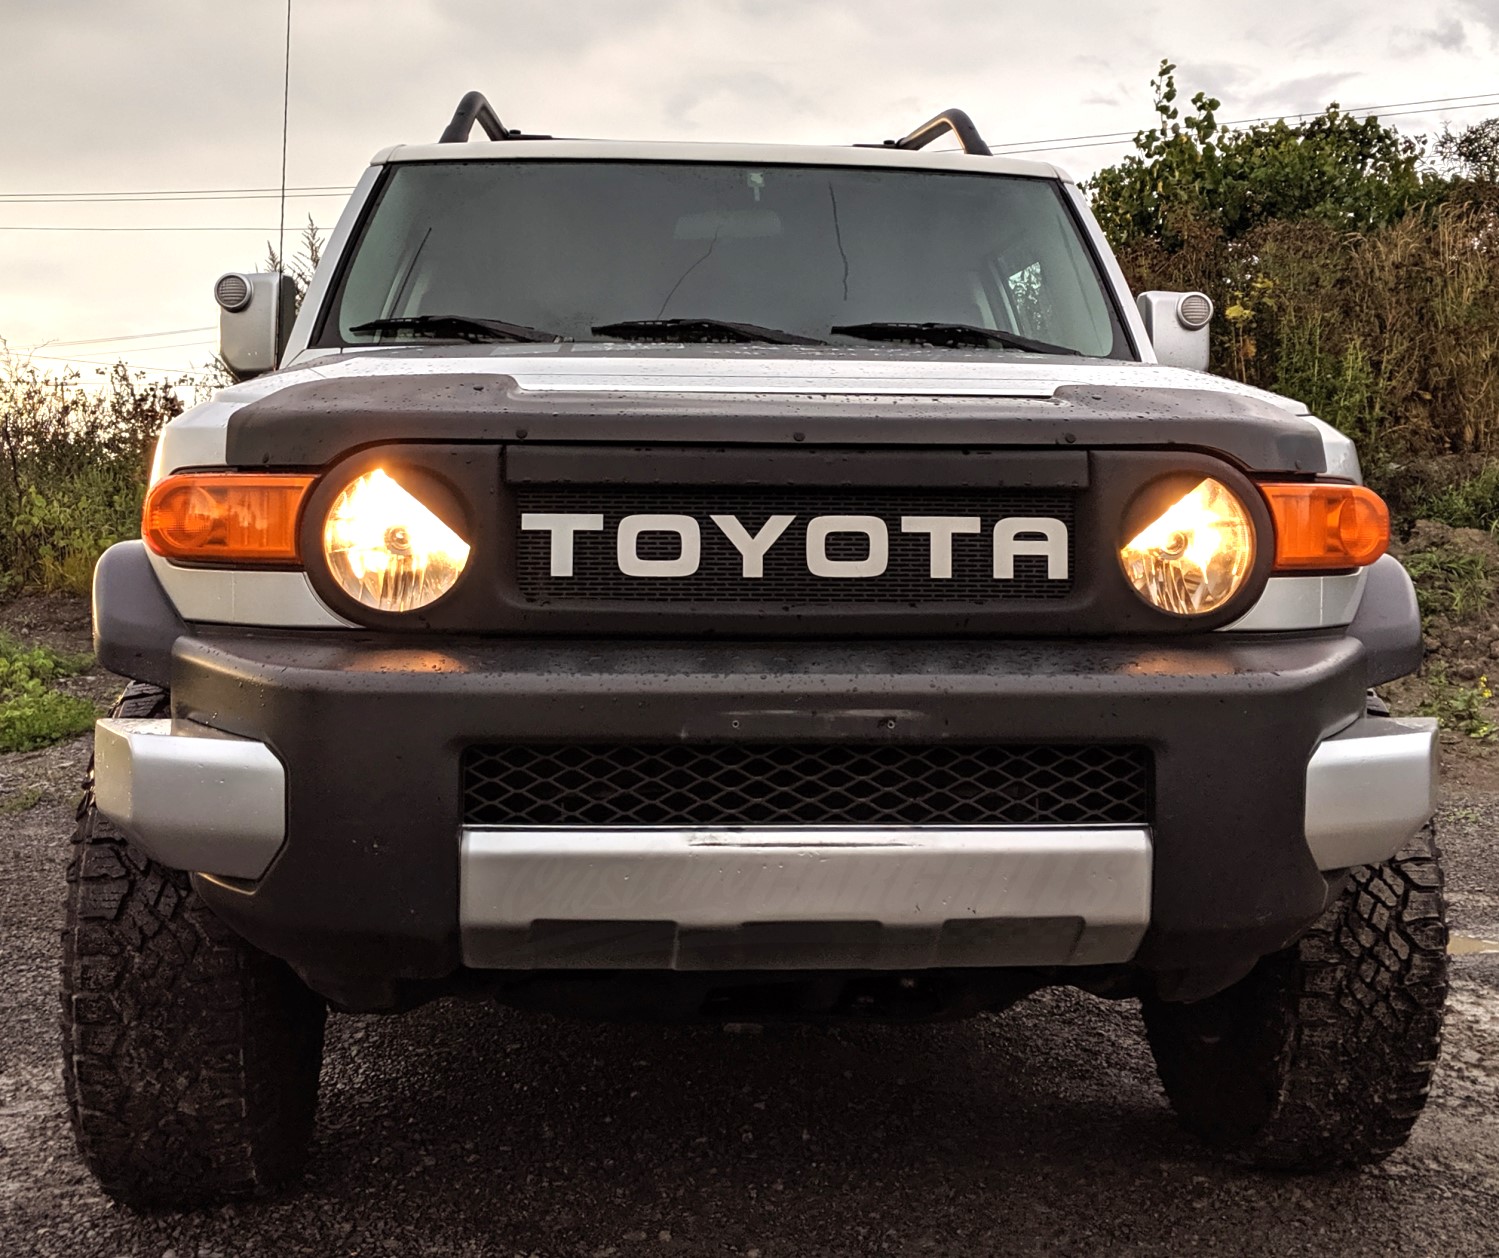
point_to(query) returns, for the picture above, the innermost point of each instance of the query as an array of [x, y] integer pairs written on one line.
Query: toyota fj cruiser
[[738, 582]]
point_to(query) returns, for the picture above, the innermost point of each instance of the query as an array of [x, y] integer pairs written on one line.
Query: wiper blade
[[456, 327], [705, 330], [950, 335]]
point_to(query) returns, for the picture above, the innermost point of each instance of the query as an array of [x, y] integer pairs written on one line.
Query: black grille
[[720, 576], [747, 784]]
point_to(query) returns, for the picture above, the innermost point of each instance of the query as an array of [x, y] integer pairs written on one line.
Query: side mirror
[[1177, 324], [255, 317]]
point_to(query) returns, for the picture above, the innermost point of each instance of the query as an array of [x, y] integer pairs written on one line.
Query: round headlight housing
[[387, 549], [1194, 555]]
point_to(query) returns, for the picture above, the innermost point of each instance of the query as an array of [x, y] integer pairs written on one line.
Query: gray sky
[[111, 96]]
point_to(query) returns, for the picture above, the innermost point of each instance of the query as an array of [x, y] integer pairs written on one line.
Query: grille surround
[[711, 785], [719, 579]]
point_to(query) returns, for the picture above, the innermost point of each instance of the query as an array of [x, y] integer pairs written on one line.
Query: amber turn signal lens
[[228, 518], [1327, 527]]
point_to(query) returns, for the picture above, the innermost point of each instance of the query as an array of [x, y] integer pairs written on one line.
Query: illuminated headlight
[[387, 549], [1195, 555]]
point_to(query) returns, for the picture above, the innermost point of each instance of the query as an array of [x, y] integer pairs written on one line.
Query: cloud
[[136, 94], [1309, 94], [1450, 35], [1486, 11]]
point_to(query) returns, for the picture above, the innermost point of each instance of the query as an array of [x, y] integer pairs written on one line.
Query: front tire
[[1322, 1057], [190, 1059]]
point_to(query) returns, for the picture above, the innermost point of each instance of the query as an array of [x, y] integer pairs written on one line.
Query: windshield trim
[[325, 334]]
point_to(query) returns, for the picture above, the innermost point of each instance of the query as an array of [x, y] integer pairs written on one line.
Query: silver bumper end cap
[[1369, 789], [191, 797], [802, 899]]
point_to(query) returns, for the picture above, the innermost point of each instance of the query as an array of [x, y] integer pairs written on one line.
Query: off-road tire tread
[[1323, 1056], [191, 1059]]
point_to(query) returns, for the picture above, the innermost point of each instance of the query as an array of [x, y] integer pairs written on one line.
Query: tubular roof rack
[[474, 108], [954, 120]]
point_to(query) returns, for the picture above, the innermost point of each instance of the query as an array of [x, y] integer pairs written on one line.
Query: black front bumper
[[365, 889]]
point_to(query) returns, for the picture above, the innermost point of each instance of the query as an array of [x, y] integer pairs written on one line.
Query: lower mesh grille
[[747, 784]]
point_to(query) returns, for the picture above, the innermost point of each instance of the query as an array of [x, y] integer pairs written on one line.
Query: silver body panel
[[731, 899], [191, 797], [1369, 789]]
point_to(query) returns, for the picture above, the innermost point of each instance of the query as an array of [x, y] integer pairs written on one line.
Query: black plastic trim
[[311, 424], [488, 597], [135, 624], [1388, 622], [371, 730], [532, 464]]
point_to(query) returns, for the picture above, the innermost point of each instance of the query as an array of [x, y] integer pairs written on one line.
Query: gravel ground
[[465, 1129]]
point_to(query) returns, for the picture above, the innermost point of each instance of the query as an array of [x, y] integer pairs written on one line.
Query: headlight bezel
[[437, 479], [1156, 496]]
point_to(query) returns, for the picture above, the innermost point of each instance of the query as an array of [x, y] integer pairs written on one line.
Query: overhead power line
[[1488, 98], [285, 115], [135, 336], [6, 227], [89, 198], [311, 189], [97, 362], [1099, 139], [1121, 137]]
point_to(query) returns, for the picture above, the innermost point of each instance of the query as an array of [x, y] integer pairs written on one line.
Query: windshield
[[568, 247]]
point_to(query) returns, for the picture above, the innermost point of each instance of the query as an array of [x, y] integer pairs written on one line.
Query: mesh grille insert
[[747, 784], [720, 575]]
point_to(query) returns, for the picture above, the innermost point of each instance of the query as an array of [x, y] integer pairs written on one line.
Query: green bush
[[32, 713], [1460, 708], [1471, 502], [1351, 174], [73, 468], [1450, 581]]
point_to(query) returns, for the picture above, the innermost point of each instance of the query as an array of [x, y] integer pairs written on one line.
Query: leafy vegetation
[[73, 465], [1459, 707], [1350, 271], [32, 712], [1347, 173], [1450, 581]]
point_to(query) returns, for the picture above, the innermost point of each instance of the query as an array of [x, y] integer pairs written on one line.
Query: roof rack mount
[[475, 108], [954, 120]]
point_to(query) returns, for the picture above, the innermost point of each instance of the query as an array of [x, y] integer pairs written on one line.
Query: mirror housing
[[256, 312], [1177, 324]]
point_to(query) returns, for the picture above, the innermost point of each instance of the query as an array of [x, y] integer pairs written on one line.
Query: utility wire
[[1044, 146], [306, 191], [303, 191], [110, 340], [6, 227], [1490, 98], [96, 362], [285, 114], [185, 194], [89, 199]]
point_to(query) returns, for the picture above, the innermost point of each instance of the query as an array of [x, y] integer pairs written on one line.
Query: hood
[[661, 372], [750, 369]]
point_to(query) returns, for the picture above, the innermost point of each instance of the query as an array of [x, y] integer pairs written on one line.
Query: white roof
[[749, 154]]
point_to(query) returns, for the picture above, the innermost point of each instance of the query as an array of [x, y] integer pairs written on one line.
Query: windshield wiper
[[455, 327], [706, 330], [950, 335]]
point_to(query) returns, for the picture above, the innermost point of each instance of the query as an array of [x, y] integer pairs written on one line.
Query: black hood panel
[[312, 424]]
